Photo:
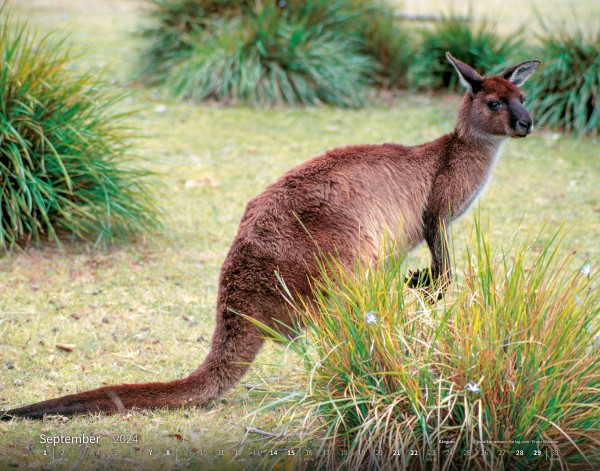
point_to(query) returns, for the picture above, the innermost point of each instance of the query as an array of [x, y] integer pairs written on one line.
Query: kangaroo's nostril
[[524, 124]]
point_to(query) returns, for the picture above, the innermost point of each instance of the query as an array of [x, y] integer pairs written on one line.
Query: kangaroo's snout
[[524, 127]]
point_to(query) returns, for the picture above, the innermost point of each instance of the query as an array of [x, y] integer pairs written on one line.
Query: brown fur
[[342, 202]]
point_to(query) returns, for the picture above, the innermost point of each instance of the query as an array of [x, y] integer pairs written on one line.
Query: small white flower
[[586, 269], [371, 318], [473, 387]]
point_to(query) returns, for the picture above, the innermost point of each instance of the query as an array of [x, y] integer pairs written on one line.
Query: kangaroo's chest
[[463, 182], [465, 200]]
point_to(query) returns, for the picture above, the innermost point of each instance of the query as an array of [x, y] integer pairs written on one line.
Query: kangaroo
[[342, 202]]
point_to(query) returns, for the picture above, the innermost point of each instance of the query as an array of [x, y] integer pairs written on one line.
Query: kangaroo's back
[[342, 202]]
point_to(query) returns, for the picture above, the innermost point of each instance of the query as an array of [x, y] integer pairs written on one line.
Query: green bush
[[265, 59], [274, 52], [173, 25], [510, 361], [379, 35], [65, 158], [566, 93], [476, 44], [387, 41]]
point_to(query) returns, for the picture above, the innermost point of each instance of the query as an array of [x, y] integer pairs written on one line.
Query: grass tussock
[[172, 23], [475, 43], [65, 155], [274, 52], [504, 373], [566, 94], [265, 59]]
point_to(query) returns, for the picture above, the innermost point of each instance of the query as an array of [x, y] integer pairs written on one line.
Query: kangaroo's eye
[[495, 105]]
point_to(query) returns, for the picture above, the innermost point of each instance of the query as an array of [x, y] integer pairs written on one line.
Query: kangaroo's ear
[[518, 74], [469, 78]]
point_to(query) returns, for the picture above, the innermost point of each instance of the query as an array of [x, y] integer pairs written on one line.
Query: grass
[[265, 59], [64, 149], [296, 53], [475, 43], [510, 361], [158, 296], [567, 93], [171, 25]]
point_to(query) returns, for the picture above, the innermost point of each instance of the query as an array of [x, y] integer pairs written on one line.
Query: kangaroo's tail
[[231, 353]]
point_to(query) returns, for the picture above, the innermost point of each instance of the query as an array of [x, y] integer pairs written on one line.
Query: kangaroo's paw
[[419, 279]]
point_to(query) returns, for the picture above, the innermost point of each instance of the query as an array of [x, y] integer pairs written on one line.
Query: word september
[[68, 439]]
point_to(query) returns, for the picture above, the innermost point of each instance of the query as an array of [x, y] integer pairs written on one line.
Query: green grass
[[64, 149], [306, 53], [158, 296], [475, 43], [566, 95], [172, 23], [265, 59]]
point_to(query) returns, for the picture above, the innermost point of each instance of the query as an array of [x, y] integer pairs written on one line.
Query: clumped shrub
[[274, 52], [173, 24], [266, 59], [566, 93], [477, 44], [503, 375], [65, 159], [385, 40]]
